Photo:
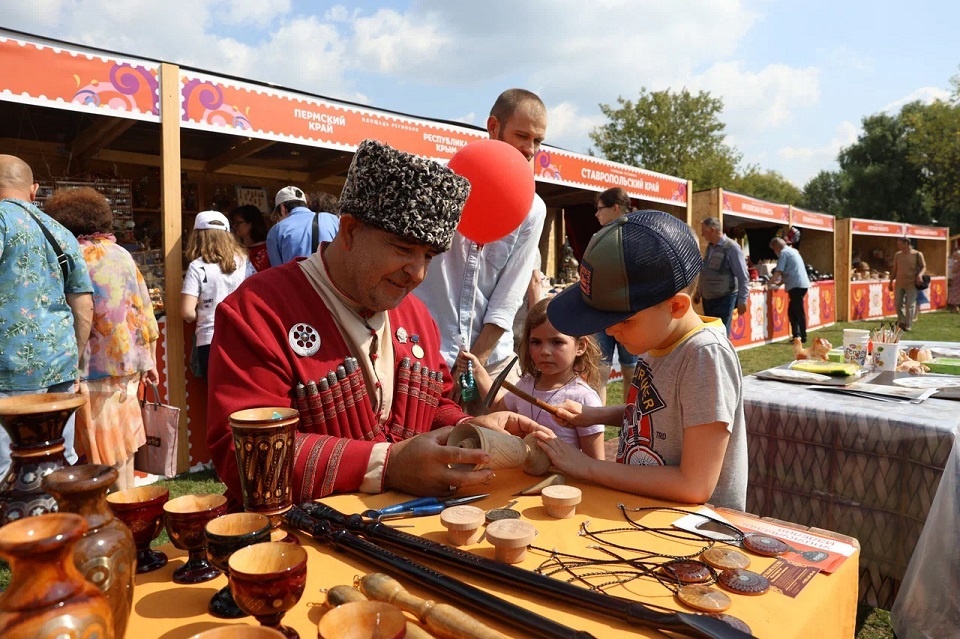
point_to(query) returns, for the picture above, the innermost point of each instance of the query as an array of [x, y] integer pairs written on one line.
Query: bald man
[[45, 310]]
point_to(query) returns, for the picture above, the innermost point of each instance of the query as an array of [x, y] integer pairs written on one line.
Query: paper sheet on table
[[880, 391], [807, 548]]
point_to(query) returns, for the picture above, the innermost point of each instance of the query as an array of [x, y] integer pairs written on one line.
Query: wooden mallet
[[501, 382]]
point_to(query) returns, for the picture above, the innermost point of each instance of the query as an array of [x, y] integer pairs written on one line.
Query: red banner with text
[[811, 220], [755, 209], [876, 227], [35, 72], [928, 232]]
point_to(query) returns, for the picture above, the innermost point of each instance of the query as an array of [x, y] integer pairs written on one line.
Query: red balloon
[[501, 189]]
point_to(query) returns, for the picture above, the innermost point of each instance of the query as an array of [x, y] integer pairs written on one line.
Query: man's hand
[[742, 308], [510, 422], [421, 465]]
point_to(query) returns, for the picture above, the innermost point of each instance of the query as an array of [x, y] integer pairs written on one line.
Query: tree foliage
[[679, 134], [932, 135], [824, 193], [766, 185], [880, 182]]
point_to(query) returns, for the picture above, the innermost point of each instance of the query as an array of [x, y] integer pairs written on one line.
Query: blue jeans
[[68, 431], [607, 344], [721, 307]]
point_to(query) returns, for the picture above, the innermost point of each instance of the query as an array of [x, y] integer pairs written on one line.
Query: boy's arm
[[692, 482]]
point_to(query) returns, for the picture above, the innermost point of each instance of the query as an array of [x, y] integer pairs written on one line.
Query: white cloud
[[799, 164], [763, 99], [845, 135], [259, 12], [565, 122], [390, 43], [470, 118], [926, 95]]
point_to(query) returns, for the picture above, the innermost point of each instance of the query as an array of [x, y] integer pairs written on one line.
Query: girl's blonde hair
[[586, 365], [215, 246]]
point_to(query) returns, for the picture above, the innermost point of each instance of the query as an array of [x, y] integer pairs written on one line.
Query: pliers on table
[[420, 507]]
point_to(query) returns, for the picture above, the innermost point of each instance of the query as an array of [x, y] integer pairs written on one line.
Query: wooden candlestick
[[463, 524], [443, 620], [511, 537], [561, 501]]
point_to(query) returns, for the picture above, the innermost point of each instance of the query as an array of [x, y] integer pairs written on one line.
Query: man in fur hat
[[296, 323]]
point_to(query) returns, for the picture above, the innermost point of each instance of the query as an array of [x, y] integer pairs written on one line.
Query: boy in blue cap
[[683, 434]]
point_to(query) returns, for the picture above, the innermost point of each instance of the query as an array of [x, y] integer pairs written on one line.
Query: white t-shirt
[[210, 286], [577, 390], [696, 381]]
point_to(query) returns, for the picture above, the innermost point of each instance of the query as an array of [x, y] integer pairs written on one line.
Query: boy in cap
[[299, 230], [683, 435], [346, 309]]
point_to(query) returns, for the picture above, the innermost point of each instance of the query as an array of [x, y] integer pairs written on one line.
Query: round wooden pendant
[[733, 621], [765, 545], [686, 571], [705, 598], [725, 558], [743, 582]]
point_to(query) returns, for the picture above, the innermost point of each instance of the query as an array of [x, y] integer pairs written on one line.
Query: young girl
[[219, 264], [556, 367], [251, 229]]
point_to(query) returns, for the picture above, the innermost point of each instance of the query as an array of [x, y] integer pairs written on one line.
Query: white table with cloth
[[885, 473]]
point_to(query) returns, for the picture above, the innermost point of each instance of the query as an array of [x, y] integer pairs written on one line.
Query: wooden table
[[825, 608]]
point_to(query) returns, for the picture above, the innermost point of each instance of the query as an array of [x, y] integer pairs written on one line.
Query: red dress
[[258, 256], [252, 365]]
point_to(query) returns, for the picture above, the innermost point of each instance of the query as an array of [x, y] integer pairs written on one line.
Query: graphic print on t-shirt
[[636, 436]]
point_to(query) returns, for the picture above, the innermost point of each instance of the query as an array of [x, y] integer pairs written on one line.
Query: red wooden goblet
[[267, 580], [186, 518], [141, 509], [225, 536]]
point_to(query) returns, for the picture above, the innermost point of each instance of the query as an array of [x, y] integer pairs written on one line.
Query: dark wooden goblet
[[141, 509], [267, 580], [225, 536], [264, 441], [186, 518]]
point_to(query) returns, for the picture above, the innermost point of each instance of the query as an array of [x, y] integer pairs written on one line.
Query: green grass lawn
[[871, 623]]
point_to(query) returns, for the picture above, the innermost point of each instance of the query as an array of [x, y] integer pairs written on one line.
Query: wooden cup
[[462, 524], [511, 537], [561, 501]]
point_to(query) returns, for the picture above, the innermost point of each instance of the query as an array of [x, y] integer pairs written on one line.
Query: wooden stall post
[[173, 247], [844, 257]]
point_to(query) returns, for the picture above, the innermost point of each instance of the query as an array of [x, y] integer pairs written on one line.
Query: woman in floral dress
[[123, 340]]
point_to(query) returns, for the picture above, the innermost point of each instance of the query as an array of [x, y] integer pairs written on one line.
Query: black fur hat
[[415, 198]]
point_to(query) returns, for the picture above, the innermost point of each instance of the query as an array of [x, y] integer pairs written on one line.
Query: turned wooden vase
[[47, 597], [106, 555], [35, 424]]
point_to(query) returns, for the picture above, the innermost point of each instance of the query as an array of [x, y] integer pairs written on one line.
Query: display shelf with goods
[[865, 250], [752, 223], [133, 232]]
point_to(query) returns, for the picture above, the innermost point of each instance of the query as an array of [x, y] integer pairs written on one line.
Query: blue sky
[[796, 77]]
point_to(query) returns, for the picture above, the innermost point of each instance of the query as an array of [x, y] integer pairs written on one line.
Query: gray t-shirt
[[698, 381]]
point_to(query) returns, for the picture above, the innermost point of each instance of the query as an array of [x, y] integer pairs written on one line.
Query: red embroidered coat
[[253, 365]]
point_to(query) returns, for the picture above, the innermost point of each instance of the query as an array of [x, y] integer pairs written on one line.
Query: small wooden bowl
[[511, 537], [561, 501], [240, 631], [363, 620], [463, 524]]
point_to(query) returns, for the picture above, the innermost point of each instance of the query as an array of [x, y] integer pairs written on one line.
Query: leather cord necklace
[[549, 400]]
